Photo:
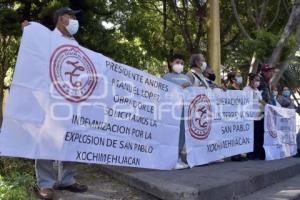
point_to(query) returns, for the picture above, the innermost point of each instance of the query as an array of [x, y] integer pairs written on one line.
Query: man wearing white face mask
[[66, 26], [175, 71], [175, 76], [66, 23], [198, 66]]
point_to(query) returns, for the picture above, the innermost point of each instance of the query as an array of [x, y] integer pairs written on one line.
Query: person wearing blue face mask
[[285, 98], [66, 25], [285, 101], [286, 92]]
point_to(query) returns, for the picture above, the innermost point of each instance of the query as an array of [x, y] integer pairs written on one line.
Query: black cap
[[62, 11]]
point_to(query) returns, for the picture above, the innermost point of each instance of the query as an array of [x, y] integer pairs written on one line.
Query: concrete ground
[[228, 180], [101, 187], [274, 180], [285, 190]]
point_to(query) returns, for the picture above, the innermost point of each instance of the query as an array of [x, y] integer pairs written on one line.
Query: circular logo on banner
[[199, 117], [271, 118], [72, 72]]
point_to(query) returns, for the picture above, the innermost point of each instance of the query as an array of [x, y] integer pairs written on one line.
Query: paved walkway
[[228, 180], [101, 187], [285, 190]]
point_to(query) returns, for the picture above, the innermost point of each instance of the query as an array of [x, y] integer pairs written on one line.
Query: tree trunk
[[237, 17], [253, 64], [165, 23], [1, 105], [288, 29]]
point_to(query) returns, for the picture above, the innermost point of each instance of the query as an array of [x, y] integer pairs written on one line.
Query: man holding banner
[[66, 26], [265, 77], [78, 105], [280, 138]]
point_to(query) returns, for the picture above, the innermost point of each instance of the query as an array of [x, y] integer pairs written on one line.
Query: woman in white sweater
[[258, 117]]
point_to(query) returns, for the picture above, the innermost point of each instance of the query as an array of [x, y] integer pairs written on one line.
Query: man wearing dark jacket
[[265, 77]]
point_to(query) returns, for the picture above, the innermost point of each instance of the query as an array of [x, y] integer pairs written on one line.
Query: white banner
[[217, 124], [72, 104], [280, 132]]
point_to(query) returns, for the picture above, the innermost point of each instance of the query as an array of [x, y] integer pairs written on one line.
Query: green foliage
[[16, 179], [8, 77], [263, 44], [143, 34], [15, 186], [8, 19], [9, 46]]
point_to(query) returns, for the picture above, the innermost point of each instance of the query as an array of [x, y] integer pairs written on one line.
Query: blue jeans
[[47, 177]]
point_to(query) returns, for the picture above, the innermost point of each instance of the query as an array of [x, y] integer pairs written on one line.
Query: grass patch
[[16, 179]]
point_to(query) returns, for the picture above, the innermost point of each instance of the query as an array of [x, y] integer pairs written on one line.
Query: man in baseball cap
[[66, 25], [65, 21], [266, 74], [62, 11]]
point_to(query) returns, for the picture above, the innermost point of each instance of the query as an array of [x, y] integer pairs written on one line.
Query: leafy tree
[[144, 33]]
